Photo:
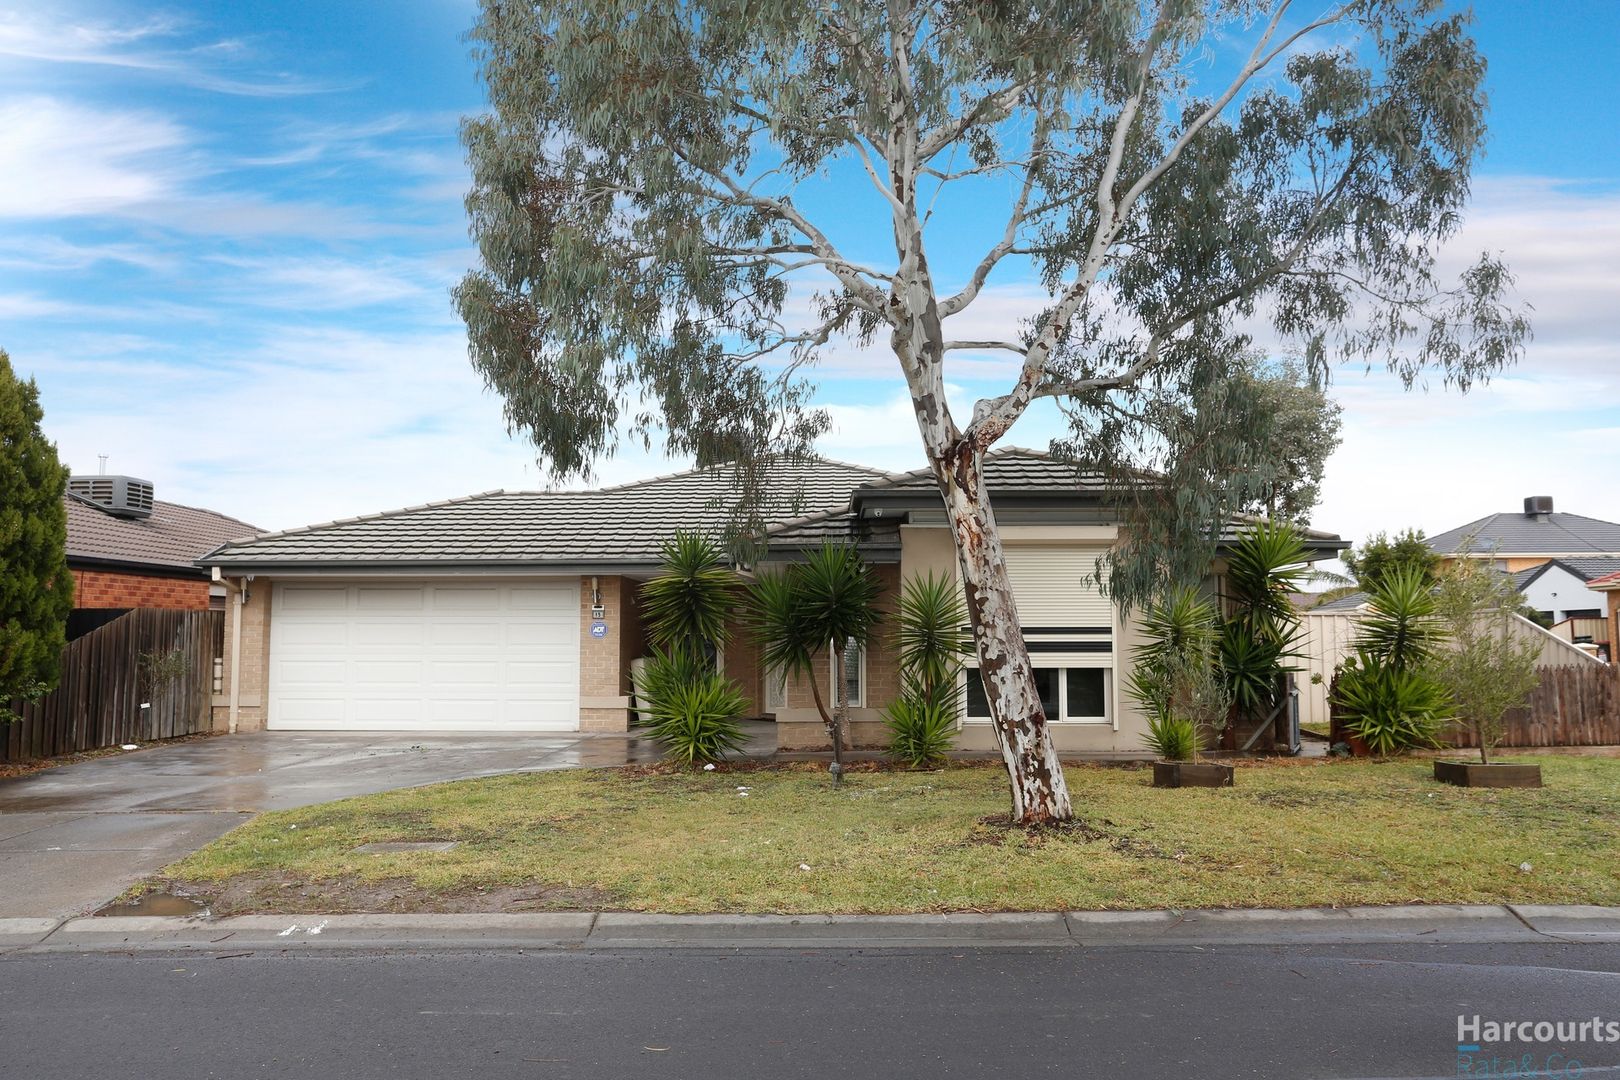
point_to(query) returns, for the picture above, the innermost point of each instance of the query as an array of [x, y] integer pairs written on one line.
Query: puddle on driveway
[[157, 903]]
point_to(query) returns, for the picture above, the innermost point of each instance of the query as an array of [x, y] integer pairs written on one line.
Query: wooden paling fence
[[163, 660], [1572, 706]]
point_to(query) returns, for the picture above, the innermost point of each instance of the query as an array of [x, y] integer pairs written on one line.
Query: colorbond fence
[[145, 675]]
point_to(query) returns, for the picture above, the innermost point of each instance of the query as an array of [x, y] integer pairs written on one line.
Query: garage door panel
[[386, 672], [532, 673], [544, 597], [463, 600], [473, 673], [368, 601], [310, 672], [459, 634], [391, 634], [314, 599], [380, 656]]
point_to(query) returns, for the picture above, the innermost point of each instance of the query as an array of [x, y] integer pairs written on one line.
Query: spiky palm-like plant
[[824, 604], [687, 603]]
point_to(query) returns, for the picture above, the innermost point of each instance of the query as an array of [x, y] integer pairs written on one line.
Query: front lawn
[[1291, 834]]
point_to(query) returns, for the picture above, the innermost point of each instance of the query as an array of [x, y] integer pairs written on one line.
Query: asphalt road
[[1346, 1011]]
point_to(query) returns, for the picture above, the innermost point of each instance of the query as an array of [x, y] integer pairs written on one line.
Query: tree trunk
[[1039, 794], [831, 720]]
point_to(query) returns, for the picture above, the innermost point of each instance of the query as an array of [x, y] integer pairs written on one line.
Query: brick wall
[[604, 662], [105, 589]]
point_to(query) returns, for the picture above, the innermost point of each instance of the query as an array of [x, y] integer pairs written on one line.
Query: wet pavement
[[74, 837]]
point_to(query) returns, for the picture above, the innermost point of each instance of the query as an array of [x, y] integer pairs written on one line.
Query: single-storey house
[[518, 611], [1522, 541], [127, 549]]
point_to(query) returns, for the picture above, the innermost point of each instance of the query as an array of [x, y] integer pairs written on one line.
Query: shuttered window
[[1069, 629]]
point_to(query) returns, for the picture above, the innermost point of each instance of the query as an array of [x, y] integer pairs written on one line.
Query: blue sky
[[228, 233]]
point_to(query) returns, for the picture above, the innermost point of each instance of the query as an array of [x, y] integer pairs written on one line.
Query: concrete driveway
[[74, 837]]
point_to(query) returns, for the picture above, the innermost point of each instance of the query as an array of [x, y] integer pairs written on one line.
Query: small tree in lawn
[[823, 606], [1486, 668], [36, 589], [666, 248]]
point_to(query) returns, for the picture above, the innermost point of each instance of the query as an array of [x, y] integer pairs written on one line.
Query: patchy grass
[[1290, 834]]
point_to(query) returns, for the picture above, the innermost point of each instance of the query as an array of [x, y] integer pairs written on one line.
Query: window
[[775, 691], [1075, 695], [854, 676]]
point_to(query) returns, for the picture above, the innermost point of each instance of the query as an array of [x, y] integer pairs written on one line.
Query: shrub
[[1391, 709], [1177, 679], [694, 709], [922, 724], [1173, 738]]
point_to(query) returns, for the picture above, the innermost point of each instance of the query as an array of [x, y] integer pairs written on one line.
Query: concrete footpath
[[1437, 924]]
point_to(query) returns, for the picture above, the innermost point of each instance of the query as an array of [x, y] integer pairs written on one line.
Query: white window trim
[[832, 680], [1110, 699]]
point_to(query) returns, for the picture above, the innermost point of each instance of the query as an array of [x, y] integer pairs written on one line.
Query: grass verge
[[781, 839]]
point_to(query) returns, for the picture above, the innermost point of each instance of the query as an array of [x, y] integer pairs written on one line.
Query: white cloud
[[152, 46], [63, 159]]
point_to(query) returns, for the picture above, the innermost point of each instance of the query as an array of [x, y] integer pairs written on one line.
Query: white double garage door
[[410, 656]]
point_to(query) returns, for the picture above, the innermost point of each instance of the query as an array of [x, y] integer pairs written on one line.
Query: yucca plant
[[1390, 709], [929, 637], [1263, 570], [688, 602], [1176, 678], [1173, 738], [922, 724], [824, 604], [694, 709], [931, 649], [1401, 627]]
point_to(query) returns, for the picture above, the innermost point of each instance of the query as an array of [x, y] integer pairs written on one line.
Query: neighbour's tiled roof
[[1531, 534], [1352, 602], [623, 524], [1606, 582], [174, 537], [1590, 569]]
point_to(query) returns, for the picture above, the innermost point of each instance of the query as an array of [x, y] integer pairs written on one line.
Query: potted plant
[[1179, 685], [1486, 669]]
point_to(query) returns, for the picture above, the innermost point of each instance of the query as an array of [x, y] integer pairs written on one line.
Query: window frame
[[832, 678], [1063, 717]]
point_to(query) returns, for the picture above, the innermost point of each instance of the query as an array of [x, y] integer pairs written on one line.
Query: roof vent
[[120, 496], [1538, 506]]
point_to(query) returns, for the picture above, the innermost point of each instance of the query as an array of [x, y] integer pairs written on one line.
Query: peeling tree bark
[[1040, 796]]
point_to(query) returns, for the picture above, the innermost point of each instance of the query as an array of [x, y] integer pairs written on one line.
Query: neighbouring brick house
[[128, 550], [519, 611]]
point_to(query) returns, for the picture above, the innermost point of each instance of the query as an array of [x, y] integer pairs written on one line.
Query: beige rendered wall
[[927, 548]]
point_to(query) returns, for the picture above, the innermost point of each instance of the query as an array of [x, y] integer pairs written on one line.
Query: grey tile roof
[[617, 525], [174, 537], [1013, 469], [1342, 604], [1591, 568], [1525, 534]]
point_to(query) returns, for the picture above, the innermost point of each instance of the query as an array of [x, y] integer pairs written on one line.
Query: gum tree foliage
[[661, 202], [36, 589], [1384, 555]]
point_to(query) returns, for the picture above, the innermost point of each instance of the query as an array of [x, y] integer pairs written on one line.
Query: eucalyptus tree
[[670, 238]]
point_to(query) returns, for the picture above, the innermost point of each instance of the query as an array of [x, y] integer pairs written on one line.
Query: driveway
[[74, 837]]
